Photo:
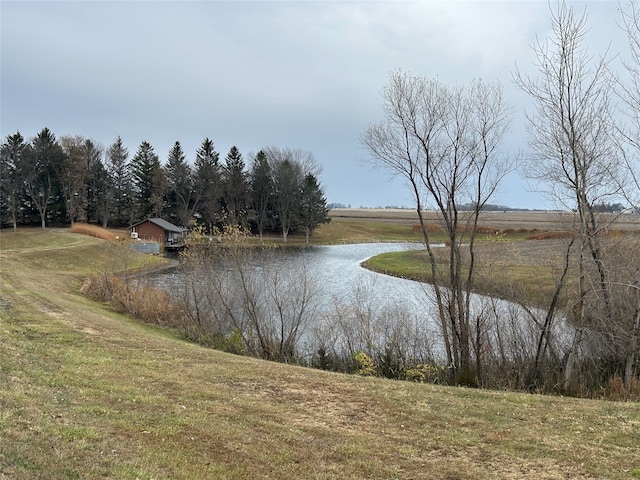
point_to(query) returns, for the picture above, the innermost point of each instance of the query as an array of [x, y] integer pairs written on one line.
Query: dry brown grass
[[551, 235], [526, 220], [94, 231]]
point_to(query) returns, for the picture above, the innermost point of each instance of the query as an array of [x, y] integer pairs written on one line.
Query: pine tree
[[100, 191], [180, 192], [11, 186], [119, 174], [207, 184], [262, 192], [313, 206], [236, 197], [149, 181]]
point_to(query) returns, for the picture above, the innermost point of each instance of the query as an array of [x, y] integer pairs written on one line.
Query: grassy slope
[[86, 393]]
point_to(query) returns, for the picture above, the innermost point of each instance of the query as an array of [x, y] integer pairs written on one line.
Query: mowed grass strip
[[341, 230], [87, 393]]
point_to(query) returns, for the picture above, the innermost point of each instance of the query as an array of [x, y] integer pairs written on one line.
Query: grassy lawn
[[87, 393], [513, 268]]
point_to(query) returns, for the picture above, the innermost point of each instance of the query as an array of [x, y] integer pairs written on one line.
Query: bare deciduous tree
[[231, 287], [576, 155], [74, 174], [446, 142], [631, 96]]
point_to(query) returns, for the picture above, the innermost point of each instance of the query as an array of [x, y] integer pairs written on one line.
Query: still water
[[340, 274], [339, 277]]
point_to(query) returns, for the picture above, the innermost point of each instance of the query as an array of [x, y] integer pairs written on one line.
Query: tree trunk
[[571, 359], [543, 340]]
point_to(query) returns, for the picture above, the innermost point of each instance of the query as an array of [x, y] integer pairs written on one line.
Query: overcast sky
[[296, 74]]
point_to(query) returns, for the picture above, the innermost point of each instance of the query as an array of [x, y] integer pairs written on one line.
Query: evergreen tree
[[41, 182], [149, 182], [236, 195], [120, 186], [313, 206], [180, 192], [207, 184], [262, 192], [100, 193], [11, 185], [98, 185]]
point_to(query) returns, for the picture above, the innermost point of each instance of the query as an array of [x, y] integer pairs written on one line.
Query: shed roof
[[162, 224]]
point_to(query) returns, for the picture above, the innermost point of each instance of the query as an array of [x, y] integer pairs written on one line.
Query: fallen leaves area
[[87, 393]]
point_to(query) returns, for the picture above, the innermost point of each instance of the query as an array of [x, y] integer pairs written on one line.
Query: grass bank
[[510, 268], [87, 393]]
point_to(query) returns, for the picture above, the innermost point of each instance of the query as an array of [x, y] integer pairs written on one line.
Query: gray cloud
[[252, 74]]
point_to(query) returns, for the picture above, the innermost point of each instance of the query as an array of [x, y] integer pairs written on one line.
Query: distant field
[[540, 220]]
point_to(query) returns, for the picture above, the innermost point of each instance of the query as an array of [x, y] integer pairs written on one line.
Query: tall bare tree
[[575, 153], [630, 93], [73, 175], [445, 141]]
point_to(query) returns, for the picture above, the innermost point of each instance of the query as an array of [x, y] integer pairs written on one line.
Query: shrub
[[428, 373], [365, 363], [148, 303], [617, 391]]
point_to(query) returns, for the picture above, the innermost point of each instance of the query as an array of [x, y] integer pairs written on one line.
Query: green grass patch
[[353, 231], [510, 269]]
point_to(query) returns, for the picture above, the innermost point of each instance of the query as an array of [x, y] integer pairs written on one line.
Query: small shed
[[159, 230]]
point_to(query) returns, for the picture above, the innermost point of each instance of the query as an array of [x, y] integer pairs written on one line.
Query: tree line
[[73, 179]]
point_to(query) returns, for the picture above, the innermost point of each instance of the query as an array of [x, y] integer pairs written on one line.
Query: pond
[[339, 271], [340, 279]]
